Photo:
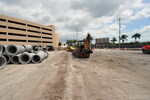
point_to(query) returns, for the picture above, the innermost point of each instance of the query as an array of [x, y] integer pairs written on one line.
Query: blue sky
[[146, 1], [97, 17], [138, 24]]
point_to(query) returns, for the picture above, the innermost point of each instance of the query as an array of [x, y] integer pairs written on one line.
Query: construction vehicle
[[83, 49], [70, 49], [146, 49]]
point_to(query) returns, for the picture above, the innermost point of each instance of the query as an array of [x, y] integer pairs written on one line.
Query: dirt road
[[106, 75]]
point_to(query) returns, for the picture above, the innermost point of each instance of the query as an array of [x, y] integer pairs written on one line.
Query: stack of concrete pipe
[[21, 54]]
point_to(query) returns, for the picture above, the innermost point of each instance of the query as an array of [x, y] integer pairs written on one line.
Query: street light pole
[[76, 32]]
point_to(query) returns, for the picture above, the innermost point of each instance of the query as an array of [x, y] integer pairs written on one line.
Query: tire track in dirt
[[49, 73], [100, 79], [94, 85], [75, 89], [55, 89], [82, 80]]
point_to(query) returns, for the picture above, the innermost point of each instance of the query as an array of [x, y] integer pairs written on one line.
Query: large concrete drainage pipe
[[15, 59], [2, 61], [50, 48], [28, 48], [4, 49], [14, 49], [46, 54], [37, 58], [7, 57], [44, 49], [26, 57], [36, 48], [1, 49]]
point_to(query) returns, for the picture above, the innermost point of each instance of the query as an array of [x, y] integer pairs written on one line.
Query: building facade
[[56, 40], [21, 32], [102, 42]]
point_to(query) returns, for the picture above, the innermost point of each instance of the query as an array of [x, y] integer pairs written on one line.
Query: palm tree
[[139, 36], [123, 38], [136, 35], [113, 40]]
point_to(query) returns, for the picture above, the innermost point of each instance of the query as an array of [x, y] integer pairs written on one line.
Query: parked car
[[146, 49]]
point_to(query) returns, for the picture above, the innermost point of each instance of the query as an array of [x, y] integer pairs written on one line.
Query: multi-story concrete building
[[102, 42], [22, 32], [56, 40]]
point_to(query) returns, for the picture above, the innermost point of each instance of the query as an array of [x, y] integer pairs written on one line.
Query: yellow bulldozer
[[83, 49], [70, 49]]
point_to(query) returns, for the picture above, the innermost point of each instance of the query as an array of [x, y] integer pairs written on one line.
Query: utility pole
[[119, 31], [76, 32]]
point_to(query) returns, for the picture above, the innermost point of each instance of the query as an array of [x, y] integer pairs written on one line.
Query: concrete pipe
[[37, 58], [46, 54], [44, 49], [2, 61], [7, 57], [4, 49], [14, 49], [15, 59], [36, 48], [43, 52], [1, 49], [26, 57], [28, 48], [50, 48]]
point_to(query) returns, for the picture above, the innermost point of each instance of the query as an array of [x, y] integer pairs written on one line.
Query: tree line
[[74, 42], [124, 37]]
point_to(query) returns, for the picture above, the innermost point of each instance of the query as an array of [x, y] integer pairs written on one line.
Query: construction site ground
[[106, 75]]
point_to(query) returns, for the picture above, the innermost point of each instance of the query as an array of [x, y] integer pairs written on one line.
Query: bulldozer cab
[[83, 44], [83, 49], [80, 43]]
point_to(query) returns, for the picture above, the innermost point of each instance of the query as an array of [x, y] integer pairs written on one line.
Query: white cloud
[[143, 13], [144, 31], [95, 16]]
